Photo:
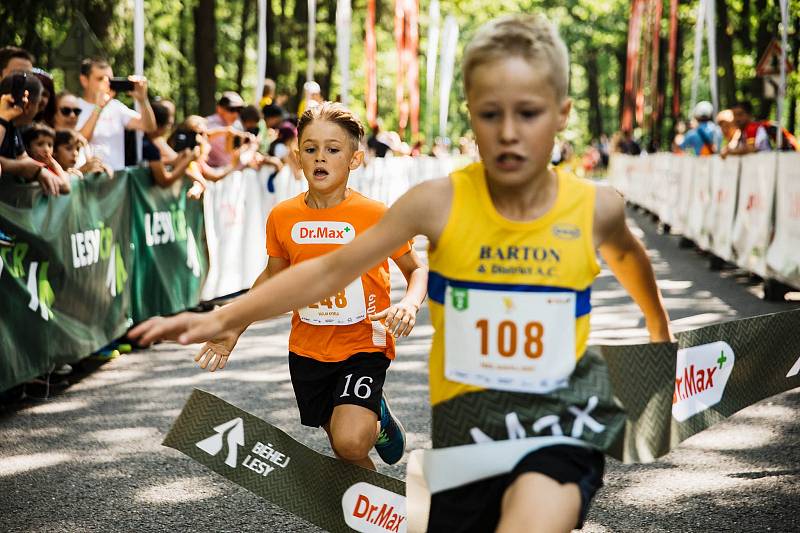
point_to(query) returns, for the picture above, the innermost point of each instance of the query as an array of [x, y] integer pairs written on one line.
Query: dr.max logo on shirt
[[323, 232]]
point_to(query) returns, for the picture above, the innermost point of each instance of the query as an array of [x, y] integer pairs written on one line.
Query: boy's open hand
[[186, 328], [216, 351], [400, 318]]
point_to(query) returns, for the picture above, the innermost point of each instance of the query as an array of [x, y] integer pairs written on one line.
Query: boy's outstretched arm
[[309, 281], [401, 317], [627, 259]]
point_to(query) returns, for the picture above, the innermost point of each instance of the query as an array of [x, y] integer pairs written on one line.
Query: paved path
[[90, 458]]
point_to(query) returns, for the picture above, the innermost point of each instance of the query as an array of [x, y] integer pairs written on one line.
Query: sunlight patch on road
[[57, 406], [184, 490], [16, 464]]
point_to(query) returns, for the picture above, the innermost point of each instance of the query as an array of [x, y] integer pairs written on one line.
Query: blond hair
[[336, 113], [531, 37]]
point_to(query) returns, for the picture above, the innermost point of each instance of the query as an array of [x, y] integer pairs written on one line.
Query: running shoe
[[6, 239], [391, 442]]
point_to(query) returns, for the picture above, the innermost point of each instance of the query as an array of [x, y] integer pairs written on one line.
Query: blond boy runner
[[505, 226], [338, 350]]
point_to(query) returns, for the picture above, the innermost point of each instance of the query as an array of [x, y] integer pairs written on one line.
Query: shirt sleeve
[[274, 246], [127, 114], [400, 252], [150, 151], [762, 140]]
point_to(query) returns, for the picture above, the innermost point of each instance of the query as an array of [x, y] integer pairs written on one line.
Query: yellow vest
[[481, 249]]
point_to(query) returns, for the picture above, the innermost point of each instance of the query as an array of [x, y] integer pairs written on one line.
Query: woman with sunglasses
[[67, 111]]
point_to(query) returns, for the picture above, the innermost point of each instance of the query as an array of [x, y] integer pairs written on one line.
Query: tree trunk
[[792, 124], [622, 60], [245, 30], [593, 93], [271, 70], [724, 32], [205, 54], [284, 40], [743, 31]]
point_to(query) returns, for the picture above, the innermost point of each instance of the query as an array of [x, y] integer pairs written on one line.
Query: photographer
[[13, 158], [152, 151], [104, 119]]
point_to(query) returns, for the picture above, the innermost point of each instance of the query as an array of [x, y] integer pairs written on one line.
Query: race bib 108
[[509, 340]]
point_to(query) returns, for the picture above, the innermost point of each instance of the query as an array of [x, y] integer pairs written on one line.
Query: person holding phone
[[104, 119], [22, 91]]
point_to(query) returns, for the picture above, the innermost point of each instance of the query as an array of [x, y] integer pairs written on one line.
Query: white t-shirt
[[108, 140]]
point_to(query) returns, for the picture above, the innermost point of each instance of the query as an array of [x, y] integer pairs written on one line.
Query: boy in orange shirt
[[338, 350]]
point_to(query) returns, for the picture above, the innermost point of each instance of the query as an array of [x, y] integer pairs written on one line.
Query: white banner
[[752, 227], [343, 31], [261, 62], [312, 39], [698, 48], [446, 66], [784, 7], [719, 222], [783, 256], [430, 77], [686, 165]]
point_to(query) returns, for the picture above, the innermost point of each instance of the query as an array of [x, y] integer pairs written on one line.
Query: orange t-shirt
[[337, 327]]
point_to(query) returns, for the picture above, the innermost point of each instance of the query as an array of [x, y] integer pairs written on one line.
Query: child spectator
[[706, 137], [39, 139], [47, 103], [67, 148]]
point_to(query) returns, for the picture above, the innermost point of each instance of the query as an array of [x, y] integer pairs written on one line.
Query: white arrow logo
[[795, 369], [213, 444]]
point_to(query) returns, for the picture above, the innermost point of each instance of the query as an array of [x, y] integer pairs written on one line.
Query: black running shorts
[[475, 508], [319, 387]]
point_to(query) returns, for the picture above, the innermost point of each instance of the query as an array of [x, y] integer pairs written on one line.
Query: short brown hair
[[531, 37], [92, 62], [336, 113]]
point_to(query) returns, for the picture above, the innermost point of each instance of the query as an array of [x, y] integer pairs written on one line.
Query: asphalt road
[[90, 459]]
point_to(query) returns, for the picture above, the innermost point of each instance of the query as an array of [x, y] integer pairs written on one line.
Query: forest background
[[197, 48]]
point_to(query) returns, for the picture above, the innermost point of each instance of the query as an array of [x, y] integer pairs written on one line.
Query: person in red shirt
[[338, 349]]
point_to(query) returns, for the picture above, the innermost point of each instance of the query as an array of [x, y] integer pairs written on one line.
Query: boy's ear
[[357, 159], [563, 113]]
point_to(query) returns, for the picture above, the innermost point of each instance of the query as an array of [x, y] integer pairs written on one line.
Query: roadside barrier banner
[[783, 256], [700, 201], [235, 212], [170, 254], [65, 282], [719, 222], [753, 223], [254, 454]]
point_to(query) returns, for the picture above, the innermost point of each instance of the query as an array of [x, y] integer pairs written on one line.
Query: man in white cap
[[706, 137], [227, 116]]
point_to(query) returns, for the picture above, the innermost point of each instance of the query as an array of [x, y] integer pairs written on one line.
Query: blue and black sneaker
[[391, 442], [6, 240]]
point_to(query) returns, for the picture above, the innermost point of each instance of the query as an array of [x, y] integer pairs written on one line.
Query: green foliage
[[595, 31]]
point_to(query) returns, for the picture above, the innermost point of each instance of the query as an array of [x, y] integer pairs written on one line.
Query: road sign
[[770, 62]]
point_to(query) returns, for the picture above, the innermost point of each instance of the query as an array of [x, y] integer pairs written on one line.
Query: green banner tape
[[252, 453]]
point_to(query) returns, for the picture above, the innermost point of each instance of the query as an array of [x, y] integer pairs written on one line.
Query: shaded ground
[[90, 458]]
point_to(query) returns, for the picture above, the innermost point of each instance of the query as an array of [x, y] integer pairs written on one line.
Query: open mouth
[[320, 173], [509, 160]]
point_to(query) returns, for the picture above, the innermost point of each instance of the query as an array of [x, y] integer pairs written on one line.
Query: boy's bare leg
[[537, 503], [352, 431]]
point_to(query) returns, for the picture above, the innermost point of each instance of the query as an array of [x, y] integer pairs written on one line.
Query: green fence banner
[[170, 255], [84, 264], [256, 455], [65, 282]]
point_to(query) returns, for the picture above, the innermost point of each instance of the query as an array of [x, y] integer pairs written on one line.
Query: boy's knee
[[352, 446]]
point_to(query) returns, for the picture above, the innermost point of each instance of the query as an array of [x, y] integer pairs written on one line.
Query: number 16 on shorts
[[509, 340]]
